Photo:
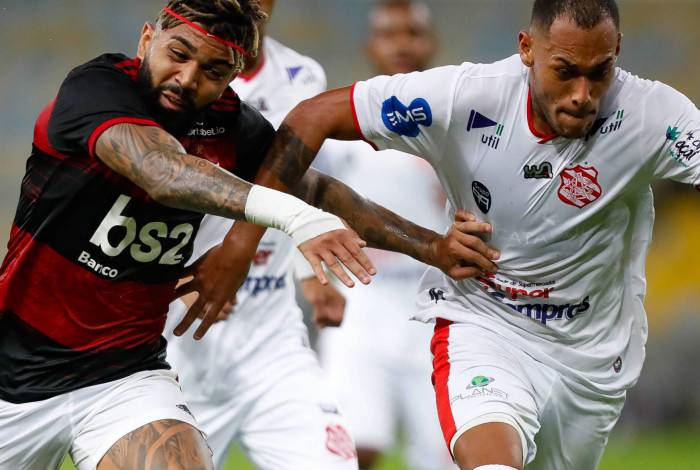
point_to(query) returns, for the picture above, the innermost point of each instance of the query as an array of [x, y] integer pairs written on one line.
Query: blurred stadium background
[[43, 39]]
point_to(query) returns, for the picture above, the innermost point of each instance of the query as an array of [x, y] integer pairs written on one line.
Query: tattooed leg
[[161, 445]]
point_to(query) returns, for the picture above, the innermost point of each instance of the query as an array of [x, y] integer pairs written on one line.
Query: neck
[[539, 123]]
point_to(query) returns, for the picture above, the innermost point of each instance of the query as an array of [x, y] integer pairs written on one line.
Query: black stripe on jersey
[[34, 367]]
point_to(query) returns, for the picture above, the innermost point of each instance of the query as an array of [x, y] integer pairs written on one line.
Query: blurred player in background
[[378, 361], [262, 386], [556, 147]]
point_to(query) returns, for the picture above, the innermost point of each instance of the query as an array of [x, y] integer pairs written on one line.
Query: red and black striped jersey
[[92, 261]]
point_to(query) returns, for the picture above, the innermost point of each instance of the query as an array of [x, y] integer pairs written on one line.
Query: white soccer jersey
[[572, 217], [266, 301]]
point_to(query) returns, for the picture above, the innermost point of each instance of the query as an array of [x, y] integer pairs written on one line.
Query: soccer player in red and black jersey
[[125, 161]]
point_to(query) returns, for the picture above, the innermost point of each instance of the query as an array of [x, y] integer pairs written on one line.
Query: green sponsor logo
[[481, 381], [672, 133]]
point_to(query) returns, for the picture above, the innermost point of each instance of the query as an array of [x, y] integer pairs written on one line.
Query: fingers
[[361, 257], [336, 268], [192, 314], [464, 272], [209, 314], [185, 287], [464, 216], [315, 262], [473, 250]]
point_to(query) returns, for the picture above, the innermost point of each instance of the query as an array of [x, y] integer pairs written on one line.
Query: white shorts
[[276, 405], [380, 390], [481, 378], [86, 422]]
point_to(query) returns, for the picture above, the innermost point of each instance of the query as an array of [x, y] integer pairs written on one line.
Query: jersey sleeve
[[91, 100], [407, 112], [672, 133], [253, 135]]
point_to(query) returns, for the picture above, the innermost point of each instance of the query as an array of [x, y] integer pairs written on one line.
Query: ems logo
[[479, 121], [482, 196], [579, 186], [405, 120]]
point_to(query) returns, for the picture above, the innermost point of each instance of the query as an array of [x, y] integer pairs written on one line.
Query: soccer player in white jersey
[[383, 380], [556, 149], [262, 386]]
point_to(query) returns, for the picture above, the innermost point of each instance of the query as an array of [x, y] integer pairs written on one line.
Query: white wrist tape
[[294, 217]]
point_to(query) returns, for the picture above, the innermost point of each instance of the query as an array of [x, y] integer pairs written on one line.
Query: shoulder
[[117, 66], [300, 68], [650, 97]]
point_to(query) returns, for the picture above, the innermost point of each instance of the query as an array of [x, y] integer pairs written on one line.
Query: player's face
[[185, 70], [401, 39], [571, 70]]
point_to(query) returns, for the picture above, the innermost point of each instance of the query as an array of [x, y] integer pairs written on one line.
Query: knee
[[490, 446]]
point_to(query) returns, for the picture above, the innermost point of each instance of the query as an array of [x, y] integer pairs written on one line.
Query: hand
[[192, 297], [216, 277], [462, 253], [328, 304], [337, 248]]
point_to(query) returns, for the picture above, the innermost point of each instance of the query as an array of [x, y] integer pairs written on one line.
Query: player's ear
[[147, 34], [525, 48], [619, 44]]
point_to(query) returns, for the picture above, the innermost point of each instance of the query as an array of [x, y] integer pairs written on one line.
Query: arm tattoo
[[155, 161], [378, 226], [289, 157], [159, 445]]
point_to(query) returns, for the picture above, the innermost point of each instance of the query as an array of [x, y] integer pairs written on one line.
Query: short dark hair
[[233, 20], [584, 13]]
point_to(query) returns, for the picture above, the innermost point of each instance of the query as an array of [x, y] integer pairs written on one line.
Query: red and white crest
[[339, 442], [579, 186]]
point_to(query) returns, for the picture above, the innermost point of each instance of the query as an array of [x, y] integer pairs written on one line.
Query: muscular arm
[[156, 162], [378, 226]]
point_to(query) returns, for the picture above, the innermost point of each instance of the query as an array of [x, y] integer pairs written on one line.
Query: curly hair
[[233, 20]]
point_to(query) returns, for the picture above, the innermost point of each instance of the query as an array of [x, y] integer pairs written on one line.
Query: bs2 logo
[[405, 120]]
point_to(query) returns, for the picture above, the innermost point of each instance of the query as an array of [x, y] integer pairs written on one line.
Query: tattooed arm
[[156, 162], [460, 253]]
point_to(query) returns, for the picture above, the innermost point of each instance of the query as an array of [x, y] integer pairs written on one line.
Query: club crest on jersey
[[488, 138], [579, 186], [406, 120], [339, 442]]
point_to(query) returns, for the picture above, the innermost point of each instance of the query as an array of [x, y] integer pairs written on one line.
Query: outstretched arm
[[461, 253]]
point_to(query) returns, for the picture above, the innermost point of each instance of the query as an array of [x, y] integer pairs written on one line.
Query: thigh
[[161, 445], [296, 425], [576, 425], [132, 414], [34, 435], [480, 379]]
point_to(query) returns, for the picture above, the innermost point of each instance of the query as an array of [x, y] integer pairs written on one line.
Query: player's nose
[[581, 93]]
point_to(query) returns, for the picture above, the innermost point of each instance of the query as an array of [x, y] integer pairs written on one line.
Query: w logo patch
[[405, 120]]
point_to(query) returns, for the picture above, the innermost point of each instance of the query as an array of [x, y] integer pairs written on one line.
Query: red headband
[[204, 31]]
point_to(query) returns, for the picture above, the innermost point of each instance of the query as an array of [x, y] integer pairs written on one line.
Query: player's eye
[[214, 74], [600, 74], [178, 55], [565, 73]]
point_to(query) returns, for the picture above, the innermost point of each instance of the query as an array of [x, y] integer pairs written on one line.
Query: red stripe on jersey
[[439, 347], [73, 306], [544, 138], [130, 67], [113, 122], [355, 120], [41, 132]]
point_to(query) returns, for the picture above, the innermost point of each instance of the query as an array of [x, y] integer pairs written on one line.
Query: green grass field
[[676, 449]]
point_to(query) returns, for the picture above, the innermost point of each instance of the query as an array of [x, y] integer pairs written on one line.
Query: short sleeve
[[407, 112], [253, 135], [92, 99], [672, 132]]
